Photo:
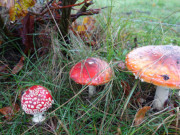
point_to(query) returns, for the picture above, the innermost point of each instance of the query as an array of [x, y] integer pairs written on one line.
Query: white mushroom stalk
[[38, 117], [160, 97], [92, 90]]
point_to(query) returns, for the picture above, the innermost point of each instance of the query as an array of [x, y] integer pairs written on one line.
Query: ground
[[121, 26]]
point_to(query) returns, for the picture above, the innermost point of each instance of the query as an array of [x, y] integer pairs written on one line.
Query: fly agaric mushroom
[[159, 65], [92, 72], [35, 101]]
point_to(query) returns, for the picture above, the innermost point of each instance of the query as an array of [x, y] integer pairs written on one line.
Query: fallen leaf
[[89, 22], [17, 8], [139, 117], [18, 66], [126, 87], [27, 32], [85, 29], [9, 111], [20, 8]]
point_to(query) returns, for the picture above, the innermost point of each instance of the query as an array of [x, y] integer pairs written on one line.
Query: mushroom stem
[[92, 90], [160, 97], [38, 117]]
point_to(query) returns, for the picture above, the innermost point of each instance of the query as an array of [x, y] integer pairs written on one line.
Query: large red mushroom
[[159, 65], [35, 101], [92, 72]]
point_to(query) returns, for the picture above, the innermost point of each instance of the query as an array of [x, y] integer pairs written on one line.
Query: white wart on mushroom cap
[[36, 99], [159, 65]]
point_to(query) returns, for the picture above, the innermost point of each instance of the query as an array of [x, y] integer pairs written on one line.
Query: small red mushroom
[[35, 101], [92, 72]]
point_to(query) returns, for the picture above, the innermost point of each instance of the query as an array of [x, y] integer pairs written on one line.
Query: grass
[[73, 113]]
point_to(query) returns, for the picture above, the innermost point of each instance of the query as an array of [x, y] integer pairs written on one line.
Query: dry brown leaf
[[9, 111], [126, 87], [139, 117], [19, 66], [85, 30], [27, 32]]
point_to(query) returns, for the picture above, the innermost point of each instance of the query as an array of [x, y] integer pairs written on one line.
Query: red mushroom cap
[[92, 71], [159, 65], [36, 99]]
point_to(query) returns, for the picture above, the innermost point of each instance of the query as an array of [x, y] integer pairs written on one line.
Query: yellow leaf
[[139, 117], [85, 29], [154, 4], [89, 20], [12, 13], [85, 20], [20, 8], [81, 28]]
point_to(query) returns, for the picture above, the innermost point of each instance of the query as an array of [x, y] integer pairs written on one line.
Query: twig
[[46, 5], [73, 16], [83, 9], [59, 7], [89, 12]]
